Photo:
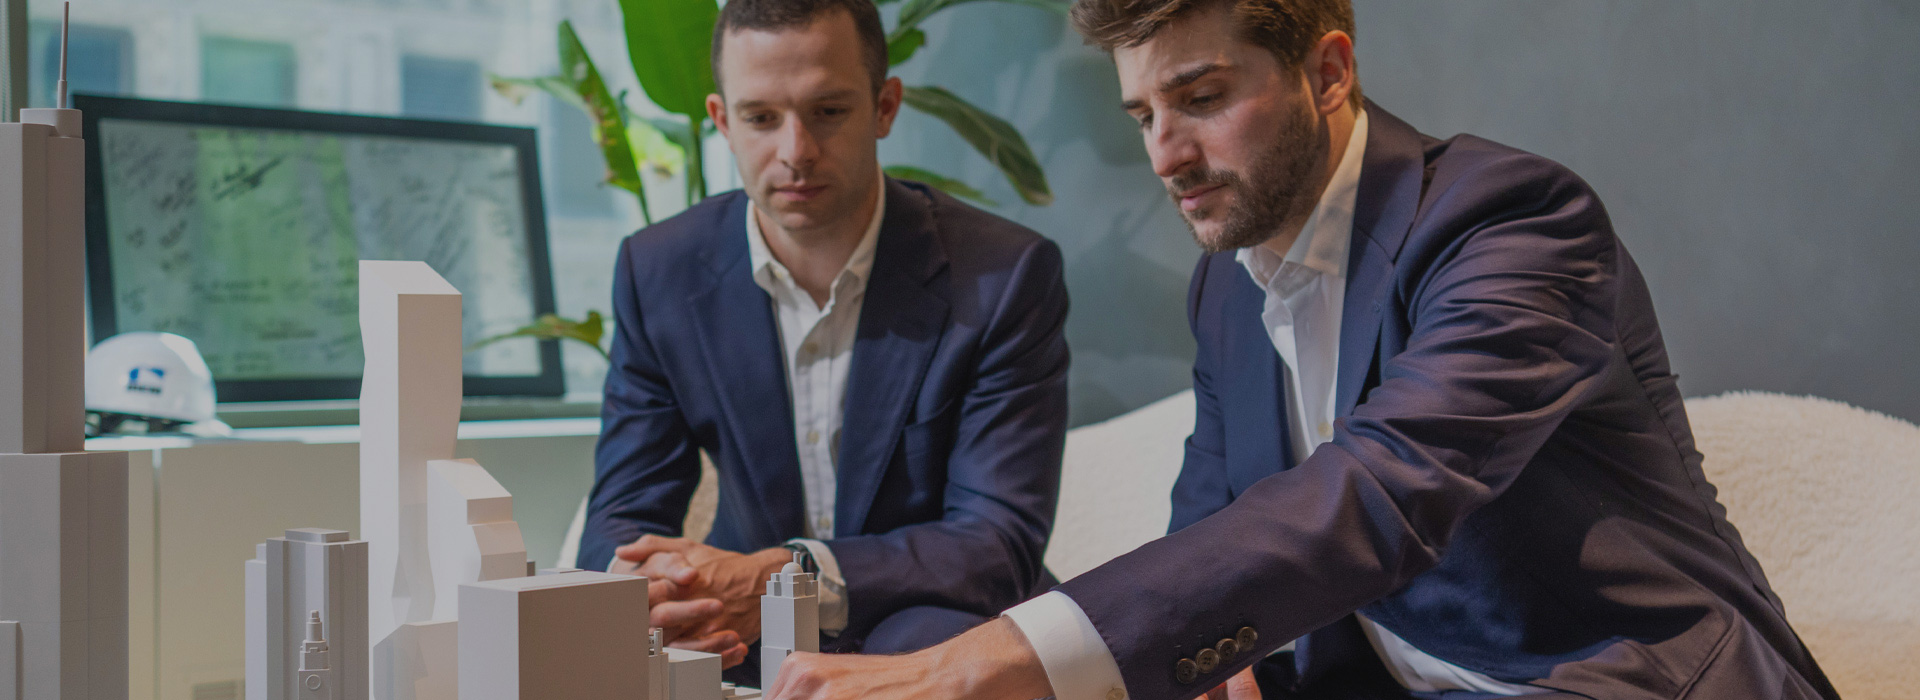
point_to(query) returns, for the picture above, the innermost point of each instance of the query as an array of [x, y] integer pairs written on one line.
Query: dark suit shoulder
[[1473, 178], [972, 236], [697, 233]]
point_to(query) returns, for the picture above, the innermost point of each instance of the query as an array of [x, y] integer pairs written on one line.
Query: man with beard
[[877, 370], [1437, 444]]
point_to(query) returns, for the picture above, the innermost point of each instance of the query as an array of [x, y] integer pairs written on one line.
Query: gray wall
[[1761, 160]]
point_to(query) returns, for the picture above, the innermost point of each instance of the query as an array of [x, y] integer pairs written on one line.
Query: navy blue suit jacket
[[955, 411], [1511, 486]]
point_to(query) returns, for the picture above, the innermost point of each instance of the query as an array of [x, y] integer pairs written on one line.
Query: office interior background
[[1755, 158]]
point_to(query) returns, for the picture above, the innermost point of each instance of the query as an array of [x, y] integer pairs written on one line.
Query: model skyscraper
[[789, 618], [63, 511]]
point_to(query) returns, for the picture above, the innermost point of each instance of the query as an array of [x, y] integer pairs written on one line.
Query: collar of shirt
[[774, 277], [1324, 240]]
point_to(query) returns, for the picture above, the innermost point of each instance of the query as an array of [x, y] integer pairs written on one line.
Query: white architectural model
[[63, 517], [317, 678], [560, 636], [309, 572], [789, 619], [693, 675], [431, 522]]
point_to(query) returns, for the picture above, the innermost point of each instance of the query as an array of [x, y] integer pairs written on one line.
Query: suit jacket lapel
[[1392, 178], [1254, 390], [901, 323], [741, 342]]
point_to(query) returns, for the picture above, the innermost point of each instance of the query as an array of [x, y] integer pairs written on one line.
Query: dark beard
[[1278, 190]]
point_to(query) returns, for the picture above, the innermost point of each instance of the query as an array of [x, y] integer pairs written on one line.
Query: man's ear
[[888, 107], [1330, 72], [717, 111]]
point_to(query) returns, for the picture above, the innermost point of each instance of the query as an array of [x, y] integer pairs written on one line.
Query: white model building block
[[789, 618], [572, 635], [693, 675], [729, 691], [409, 413], [309, 571], [425, 661], [9, 660], [471, 533], [658, 679], [63, 553]]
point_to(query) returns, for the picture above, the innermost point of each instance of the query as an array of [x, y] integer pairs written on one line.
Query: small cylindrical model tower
[[317, 677], [789, 619], [657, 681]]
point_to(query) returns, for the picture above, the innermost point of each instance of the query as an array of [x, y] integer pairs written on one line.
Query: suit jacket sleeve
[[1508, 328], [1003, 471], [646, 465]]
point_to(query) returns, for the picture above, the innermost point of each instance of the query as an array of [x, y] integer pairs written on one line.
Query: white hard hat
[[158, 377]]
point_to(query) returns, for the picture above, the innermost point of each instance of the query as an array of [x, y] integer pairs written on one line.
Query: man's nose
[[798, 148], [1170, 147]]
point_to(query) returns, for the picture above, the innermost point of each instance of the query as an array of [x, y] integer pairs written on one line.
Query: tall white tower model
[[432, 523], [789, 619], [63, 511], [309, 572]]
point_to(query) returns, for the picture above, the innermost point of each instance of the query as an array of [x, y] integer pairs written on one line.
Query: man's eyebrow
[[1185, 78]]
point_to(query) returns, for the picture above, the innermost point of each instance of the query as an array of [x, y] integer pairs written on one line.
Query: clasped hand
[[704, 598]]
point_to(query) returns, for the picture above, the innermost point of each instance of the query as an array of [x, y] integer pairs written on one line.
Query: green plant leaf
[[992, 136], [516, 90], [940, 182], [554, 327], [609, 123], [903, 48], [669, 42], [917, 11]]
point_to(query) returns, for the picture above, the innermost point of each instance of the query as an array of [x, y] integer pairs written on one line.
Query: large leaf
[[609, 125], [552, 327], [940, 182], [903, 47], [917, 11], [992, 136], [516, 90], [669, 42]]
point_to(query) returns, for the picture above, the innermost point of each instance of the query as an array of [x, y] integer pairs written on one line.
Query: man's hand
[[706, 598], [989, 662], [1241, 686]]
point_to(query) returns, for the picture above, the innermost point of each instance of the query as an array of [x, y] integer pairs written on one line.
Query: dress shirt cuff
[[833, 587], [1078, 664]]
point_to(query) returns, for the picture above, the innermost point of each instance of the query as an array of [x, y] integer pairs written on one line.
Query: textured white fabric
[[1823, 493], [816, 345]]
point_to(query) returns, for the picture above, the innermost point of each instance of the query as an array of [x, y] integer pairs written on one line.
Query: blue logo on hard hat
[[154, 376]]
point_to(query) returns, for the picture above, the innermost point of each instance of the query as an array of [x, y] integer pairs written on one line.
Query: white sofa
[[1822, 492]]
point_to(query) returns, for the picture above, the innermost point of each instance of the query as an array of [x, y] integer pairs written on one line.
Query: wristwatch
[[807, 563]]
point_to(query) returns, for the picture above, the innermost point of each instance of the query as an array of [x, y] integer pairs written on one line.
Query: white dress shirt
[[1305, 294], [817, 347]]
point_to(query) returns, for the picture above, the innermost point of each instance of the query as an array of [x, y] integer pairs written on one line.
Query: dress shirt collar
[[1324, 239], [768, 272]]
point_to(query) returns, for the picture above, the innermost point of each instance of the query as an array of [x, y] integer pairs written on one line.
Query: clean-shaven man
[[1437, 443], [877, 370]]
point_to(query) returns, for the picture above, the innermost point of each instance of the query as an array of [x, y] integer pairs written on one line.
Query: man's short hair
[[775, 15], [1288, 29]]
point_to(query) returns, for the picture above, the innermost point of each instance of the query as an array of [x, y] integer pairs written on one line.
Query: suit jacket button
[[1228, 649], [1246, 637], [1185, 671], [1207, 660]]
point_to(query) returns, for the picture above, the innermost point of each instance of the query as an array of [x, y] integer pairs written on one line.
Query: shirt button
[[813, 436], [1326, 430], [1116, 694]]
